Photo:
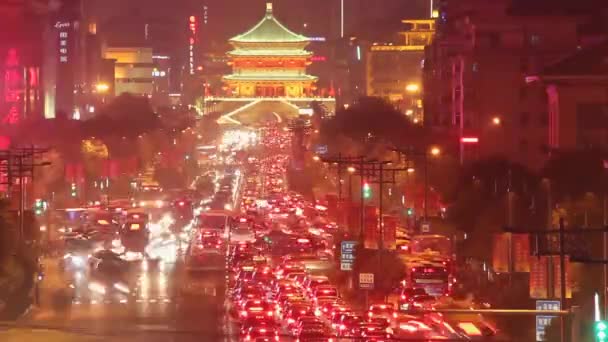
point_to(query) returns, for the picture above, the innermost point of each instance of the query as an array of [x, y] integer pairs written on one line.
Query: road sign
[[366, 281], [425, 227], [347, 255], [542, 321]]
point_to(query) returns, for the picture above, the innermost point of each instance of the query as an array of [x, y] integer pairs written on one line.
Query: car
[[384, 310], [261, 333], [313, 281], [313, 333], [257, 309], [297, 311], [325, 291], [408, 292], [419, 302], [135, 236], [347, 323], [373, 333]]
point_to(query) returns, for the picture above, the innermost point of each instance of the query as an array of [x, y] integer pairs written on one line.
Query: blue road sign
[[542, 321], [347, 255]]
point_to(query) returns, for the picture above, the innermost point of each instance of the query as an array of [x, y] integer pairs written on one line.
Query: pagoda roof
[[269, 53], [269, 30], [253, 78]]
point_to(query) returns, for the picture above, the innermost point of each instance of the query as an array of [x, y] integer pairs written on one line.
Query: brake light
[[181, 203], [244, 313], [248, 338], [290, 321], [403, 297], [370, 314], [262, 330], [342, 327], [276, 337], [269, 313], [394, 315]]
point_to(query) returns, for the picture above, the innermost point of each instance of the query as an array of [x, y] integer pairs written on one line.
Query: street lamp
[[316, 158], [435, 151], [412, 88], [102, 87], [496, 121], [351, 170]]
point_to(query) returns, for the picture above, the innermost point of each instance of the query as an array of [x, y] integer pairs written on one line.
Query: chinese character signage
[[521, 252], [538, 277], [500, 253], [63, 33]]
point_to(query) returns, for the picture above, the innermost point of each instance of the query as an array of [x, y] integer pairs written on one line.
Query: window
[[524, 118], [534, 39]]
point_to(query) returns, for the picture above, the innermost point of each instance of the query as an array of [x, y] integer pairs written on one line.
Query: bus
[[215, 220]]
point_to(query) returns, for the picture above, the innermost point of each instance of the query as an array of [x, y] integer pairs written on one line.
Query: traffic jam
[[279, 252], [282, 266]]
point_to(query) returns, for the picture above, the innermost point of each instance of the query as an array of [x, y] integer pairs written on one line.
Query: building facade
[[269, 61], [577, 99], [394, 69], [475, 93], [133, 71]]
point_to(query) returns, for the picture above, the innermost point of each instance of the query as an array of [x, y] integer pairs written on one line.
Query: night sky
[[123, 20]]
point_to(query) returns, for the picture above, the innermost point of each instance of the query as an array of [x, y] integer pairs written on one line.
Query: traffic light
[[39, 206], [410, 211], [367, 190], [73, 189], [601, 331]]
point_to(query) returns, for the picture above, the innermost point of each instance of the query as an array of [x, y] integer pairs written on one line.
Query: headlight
[[97, 287], [77, 261], [122, 288]]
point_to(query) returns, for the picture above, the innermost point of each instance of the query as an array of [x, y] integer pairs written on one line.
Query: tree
[[127, 116], [371, 122]]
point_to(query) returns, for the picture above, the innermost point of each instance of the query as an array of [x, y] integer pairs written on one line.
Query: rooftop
[[269, 30], [589, 61]]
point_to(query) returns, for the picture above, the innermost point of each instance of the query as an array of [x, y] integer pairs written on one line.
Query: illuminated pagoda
[[269, 60]]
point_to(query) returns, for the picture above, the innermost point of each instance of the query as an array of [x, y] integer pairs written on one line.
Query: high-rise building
[[133, 71], [394, 68], [21, 54], [475, 93]]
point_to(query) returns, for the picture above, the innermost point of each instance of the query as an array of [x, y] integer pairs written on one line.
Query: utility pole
[[19, 164]]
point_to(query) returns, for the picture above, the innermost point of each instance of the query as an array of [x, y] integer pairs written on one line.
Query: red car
[[262, 333], [257, 309]]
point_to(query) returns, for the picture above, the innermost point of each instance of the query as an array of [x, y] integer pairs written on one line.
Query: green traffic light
[[600, 328], [367, 191], [601, 335]]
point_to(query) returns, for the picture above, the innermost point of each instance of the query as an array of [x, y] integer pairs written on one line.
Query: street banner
[[557, 279], [538, 277], [500, 253], [390, 231], [521, 252], [371, 227]]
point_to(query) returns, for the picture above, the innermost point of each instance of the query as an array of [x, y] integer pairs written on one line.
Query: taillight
[[244, 313], [342, 327], [370, 314], [248, 338], [394, 315], [403, 297], [269, 313]]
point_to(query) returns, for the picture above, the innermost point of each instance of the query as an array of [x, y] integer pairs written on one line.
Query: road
[[165, 303]]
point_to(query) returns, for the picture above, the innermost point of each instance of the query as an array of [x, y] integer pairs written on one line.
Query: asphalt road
[[165, 303]]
